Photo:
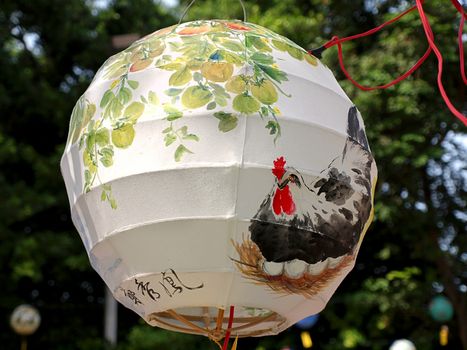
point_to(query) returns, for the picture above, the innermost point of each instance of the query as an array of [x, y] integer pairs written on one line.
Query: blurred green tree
[[415, 249]]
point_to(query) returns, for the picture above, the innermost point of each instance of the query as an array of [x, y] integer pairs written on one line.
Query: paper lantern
[[402, 344], [441, 309], [25, 319], [307, 322], [216, 164]]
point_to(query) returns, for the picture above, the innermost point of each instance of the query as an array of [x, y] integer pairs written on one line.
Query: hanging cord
[[432, 47], [193, 1], [338, 41], [429, 36], [229, 329], [459, 39]]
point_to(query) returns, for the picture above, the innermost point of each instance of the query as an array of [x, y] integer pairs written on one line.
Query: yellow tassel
[[306, 340], [443, 335], [234, 346]]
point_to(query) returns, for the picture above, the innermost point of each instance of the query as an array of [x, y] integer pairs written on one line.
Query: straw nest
[[250, 264]]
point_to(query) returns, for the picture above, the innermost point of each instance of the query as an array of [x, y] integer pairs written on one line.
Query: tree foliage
[[415, 249]]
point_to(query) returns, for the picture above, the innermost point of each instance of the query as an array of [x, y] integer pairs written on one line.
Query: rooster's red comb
[[278, 169]]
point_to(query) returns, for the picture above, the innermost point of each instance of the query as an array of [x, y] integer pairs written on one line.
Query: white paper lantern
[[216, 164], [25, 319], [402, 344]]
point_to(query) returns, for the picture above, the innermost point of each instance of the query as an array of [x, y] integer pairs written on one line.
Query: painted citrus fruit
[[194, 30], [123, 137], [236, 84], [217, 71], [266, 92], [195, 97], [246, 104]]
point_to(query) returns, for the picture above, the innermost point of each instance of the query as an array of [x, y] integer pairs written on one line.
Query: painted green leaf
[[113, 203], [171, 66], [90, 142], [262, 58], [211, 106], [219, 90], [195, 97], [106, 98], [107, 156], [295, 52], [180, 77], [273, 73], [143, 99], [227, 121], [173, 92], [257, 42], [124, 95], [197, 76], [169, 139], [153, 99], [134, 111], [180, 151], [274, 127], [183, 130], [280, 45], [102, 137], [103, 196], [221, 101], [233, 45], [133, 84], [172, 112], [231, 57], [115, 108], [166, 130], [191, 137]]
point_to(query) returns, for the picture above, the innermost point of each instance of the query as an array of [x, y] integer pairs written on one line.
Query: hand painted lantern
[[216, 164]]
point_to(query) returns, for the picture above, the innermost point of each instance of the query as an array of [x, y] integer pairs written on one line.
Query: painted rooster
[[304, 233]]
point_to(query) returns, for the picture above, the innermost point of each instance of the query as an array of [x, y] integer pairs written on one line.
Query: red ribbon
[[432, 47]]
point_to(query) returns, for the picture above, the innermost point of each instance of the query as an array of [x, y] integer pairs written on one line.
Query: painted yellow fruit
[[236, 84], [266, 92], [195, 97], [311, 59], [246, 104], [123, 137], [217, 71]]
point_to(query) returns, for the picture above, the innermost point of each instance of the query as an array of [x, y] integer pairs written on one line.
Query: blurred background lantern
[[307, 322], [305, 325], [441, 310], [402, 344], [24, 320], [214, 167]]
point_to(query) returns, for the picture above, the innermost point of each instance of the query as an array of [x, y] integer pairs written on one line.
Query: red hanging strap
[[429, 36], [229, 329], [338, 41], [459, 39], [432, 47]]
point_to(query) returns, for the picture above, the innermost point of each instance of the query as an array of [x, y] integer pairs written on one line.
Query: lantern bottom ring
[[204, 321]]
